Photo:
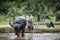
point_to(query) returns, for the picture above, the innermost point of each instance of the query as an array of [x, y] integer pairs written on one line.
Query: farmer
[[29, 21]]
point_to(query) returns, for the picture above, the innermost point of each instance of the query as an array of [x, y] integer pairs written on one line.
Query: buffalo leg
[[16, 31], [23, 31]]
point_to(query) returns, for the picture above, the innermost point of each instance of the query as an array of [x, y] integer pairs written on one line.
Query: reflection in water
[[31, 36], [20, 38], [3, 38], [57, 39]]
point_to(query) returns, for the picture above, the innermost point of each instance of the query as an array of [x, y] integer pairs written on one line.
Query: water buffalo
[[50, 24], [19, 24]]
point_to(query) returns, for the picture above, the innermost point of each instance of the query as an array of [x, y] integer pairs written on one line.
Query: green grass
[[2, 26], [39, 29], [53, 30]]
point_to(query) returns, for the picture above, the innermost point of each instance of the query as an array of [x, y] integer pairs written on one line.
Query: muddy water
[[30, 36]]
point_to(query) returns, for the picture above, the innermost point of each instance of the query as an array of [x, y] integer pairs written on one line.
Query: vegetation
[[11, 8]]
